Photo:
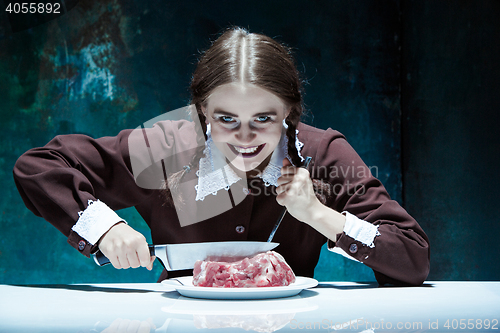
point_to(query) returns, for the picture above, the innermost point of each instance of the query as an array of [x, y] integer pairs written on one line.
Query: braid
[[292, 121], [171, 184], [322, 189]]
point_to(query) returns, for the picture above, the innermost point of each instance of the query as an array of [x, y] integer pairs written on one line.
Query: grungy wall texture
[[451, 111], [382, 73]]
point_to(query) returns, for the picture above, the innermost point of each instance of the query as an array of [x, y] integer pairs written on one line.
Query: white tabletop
[[344, 306]]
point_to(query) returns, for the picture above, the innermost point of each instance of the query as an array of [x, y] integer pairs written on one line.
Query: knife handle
[[101, 260]]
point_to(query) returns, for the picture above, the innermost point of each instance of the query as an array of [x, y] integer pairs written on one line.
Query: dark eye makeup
[[229, 119]]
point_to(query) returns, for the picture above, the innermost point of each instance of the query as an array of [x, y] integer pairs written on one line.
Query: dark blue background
[[412, 84]]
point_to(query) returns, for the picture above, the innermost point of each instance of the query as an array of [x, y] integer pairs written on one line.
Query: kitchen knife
[[183, 256]]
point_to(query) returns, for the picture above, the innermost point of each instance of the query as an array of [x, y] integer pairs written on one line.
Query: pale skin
[[246, 126]]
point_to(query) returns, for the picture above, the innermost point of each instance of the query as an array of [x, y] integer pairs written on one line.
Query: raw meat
[[264, 270]]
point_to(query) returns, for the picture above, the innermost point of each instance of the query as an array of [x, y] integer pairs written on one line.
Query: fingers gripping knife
[[183, 256], [271, 236]]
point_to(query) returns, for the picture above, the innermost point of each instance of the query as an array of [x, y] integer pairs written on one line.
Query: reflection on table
[[334, 306]]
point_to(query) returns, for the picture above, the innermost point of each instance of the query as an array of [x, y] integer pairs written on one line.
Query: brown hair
[[240, 56]]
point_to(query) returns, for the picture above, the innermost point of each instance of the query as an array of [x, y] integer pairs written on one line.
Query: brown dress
[[57, 181]]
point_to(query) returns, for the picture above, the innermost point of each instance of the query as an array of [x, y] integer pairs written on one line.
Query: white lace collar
[[215, 174]]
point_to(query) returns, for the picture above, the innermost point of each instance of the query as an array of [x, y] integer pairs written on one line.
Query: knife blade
[[183, 256]]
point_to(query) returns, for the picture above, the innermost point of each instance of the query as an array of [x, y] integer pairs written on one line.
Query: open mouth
[[246, 152]]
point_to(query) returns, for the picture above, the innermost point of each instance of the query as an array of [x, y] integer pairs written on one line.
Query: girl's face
[[246, 123]]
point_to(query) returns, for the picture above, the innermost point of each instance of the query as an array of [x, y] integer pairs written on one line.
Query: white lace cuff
[[95, 221], [360, 230]]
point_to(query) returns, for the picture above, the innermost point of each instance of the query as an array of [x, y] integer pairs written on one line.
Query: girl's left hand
[[295, 191]]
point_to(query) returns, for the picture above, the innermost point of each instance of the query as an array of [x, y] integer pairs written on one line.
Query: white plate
[[188, 290]]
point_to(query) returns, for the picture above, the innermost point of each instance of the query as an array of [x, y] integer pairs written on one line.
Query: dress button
[[353, 248], [246, 191], [81, 245], [240, 229]]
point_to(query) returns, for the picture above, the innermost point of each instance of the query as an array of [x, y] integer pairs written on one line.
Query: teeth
[[246, 150]]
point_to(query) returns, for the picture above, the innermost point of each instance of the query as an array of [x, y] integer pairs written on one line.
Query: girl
[[247, 97]]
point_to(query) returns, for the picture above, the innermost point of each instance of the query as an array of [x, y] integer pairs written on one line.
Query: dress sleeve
[[76, 182], [378, 231]]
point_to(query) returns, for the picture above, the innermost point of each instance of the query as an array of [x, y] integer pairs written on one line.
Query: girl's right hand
[[125, 247]]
